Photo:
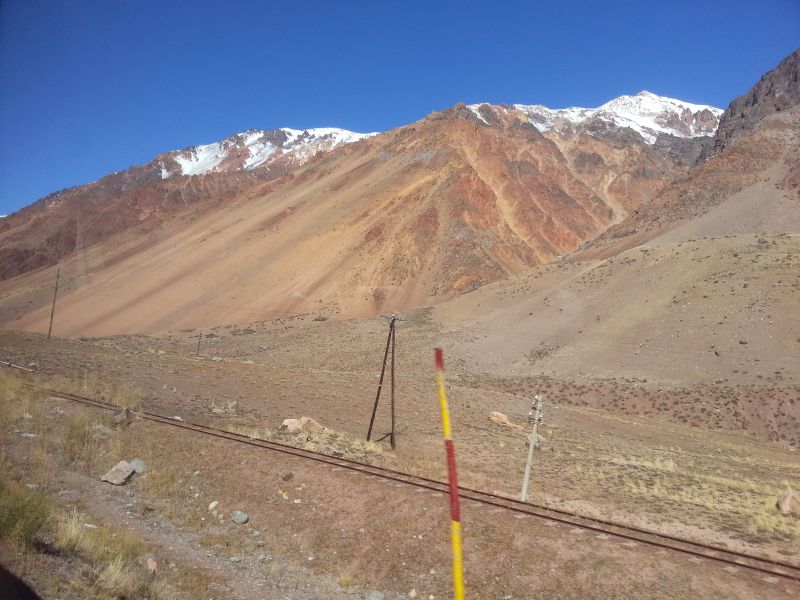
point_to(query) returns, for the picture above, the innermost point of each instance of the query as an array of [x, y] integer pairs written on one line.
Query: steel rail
[[627, 532]]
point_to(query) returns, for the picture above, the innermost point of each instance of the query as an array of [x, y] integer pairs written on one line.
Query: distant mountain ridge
[[351, 224], [254, 148], [645, 113], [615, 168], [746, 176], [276, 150]]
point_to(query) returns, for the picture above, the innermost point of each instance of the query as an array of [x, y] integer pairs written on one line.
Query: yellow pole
[[452, 476]]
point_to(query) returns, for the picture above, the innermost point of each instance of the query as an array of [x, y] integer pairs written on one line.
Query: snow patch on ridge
[[201, 159], [259, 146], [645, 113], [475, 108]]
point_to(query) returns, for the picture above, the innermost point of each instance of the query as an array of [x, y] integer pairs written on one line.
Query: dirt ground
[[330, 533], [618, 449]]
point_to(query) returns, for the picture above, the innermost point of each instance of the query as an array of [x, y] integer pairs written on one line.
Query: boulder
[[123, 417], [119, 474], [311, 426], [239, 517], [501, 419], [788, 502], [292, 426], [306, 424]]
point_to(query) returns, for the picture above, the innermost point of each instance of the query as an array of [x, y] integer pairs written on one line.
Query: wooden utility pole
[[200, 339], [53, 310], [390, 343], [535, 416], [394, 333]]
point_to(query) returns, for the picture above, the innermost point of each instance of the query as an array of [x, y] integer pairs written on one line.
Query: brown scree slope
[[408, 218]]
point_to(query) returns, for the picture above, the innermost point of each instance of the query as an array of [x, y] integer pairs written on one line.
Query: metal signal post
[[535, 417]]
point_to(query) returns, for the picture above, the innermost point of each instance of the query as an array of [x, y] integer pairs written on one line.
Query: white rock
[[501, 419], [119, 474], [788, 502], [306, 424]]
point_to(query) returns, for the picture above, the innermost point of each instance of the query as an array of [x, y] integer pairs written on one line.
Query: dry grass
[[162, 481], [18, 401], [115, 555], [330, 442], [338, 443], [99, 544], [85, 440], [428, 468], [93, 386], [23, 513], [78, 439], [717, 485]]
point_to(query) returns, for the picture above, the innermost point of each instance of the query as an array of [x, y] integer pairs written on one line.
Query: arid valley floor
[[641, 429]]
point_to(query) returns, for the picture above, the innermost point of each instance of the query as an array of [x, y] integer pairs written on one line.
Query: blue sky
[[87, 88]]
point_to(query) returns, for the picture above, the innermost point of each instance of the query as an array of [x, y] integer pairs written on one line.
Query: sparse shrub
[[23, 513], [77, 442], [114, 553], [70, 532], [162, 482]]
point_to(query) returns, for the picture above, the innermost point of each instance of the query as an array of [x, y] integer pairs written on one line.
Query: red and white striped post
[[452, 477]]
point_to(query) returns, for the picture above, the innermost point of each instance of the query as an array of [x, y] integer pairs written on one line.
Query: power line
[[53, 310]]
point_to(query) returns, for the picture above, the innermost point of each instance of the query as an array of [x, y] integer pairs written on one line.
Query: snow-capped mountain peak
[[645, 113], [649, 115], [253, 148]]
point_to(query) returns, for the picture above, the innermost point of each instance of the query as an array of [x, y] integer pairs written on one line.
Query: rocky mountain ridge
[[253, 149], [778, 90], [408, 218], [617, 165], [645, 113]]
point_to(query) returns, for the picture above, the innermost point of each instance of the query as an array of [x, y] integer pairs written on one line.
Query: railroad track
[[730, 558]]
